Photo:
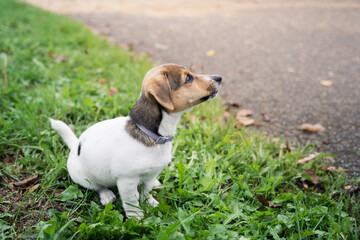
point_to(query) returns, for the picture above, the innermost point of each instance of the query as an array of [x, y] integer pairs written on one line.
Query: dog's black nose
[[217, 79]]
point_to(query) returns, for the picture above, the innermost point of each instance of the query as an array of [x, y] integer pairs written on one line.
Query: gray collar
[[157, 138]]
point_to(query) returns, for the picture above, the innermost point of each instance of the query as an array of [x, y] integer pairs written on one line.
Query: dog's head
[[177, 89]]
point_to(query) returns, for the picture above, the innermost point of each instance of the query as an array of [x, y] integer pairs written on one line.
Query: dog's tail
[[65, 132]]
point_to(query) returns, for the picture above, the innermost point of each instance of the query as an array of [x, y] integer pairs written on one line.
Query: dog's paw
[[106, 196], [136, 214], [157, 183], [153, 202]]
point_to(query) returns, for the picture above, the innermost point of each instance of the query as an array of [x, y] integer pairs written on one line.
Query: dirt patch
[[23, 209]]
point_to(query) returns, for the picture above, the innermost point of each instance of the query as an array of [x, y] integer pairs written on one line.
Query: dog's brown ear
[[160, 90]]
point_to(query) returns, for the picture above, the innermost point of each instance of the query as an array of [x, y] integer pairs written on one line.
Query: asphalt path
[[274, 57]]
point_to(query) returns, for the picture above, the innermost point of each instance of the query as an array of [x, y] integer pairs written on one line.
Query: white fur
[[111, 157]]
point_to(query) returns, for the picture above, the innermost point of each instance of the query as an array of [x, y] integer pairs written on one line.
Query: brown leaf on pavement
[[210, 53], [244, 121], [244, 113], [314, 178], [332, 168], [312, 127], [233, 105], [326, 83], [265, 117], [266, 203], [329, 159], [308, 158]]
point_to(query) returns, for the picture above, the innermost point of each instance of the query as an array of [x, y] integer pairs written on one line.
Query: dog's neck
[[169, 122], [152, 116], [147, 113]]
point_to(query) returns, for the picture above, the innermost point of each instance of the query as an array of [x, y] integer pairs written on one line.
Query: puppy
[[133, 150]]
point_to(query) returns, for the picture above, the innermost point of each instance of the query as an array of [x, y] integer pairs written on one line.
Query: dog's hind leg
[[106, 196], [78, 175]]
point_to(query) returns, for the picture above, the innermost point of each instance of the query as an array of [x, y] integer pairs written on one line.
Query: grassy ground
[[52, 66]]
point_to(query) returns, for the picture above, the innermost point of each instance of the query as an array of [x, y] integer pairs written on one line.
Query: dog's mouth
[[210, 96]]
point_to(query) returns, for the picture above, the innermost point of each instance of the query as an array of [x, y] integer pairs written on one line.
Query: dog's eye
[[189, 78]]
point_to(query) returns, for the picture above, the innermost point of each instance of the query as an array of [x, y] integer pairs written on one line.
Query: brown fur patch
[[191, 94], [175, 75], [136, 133], [147, 113]]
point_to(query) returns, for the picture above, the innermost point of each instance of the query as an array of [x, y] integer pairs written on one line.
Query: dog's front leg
[[148, 186], [130, 196]]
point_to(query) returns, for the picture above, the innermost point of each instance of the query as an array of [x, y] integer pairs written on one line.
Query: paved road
[[272, 56]]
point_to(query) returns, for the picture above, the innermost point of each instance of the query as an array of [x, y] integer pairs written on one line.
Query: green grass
[[208, 190]]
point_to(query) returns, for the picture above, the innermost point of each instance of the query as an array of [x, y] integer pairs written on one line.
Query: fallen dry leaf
[[192, 117], [233, 104], [312, 127], [52, 55], [266, 203], [308, 158], [57, 57], [210, 53], [112, 91], [103, 81], [314, 178], [305, 185], [226, 116], [329, 159], [244, 113], [131, 46], [23, 183], [57, 193], [350, 188], [332, 168], [62, 58], [33, 188], [244, 121], [326, 83], [266, 117]]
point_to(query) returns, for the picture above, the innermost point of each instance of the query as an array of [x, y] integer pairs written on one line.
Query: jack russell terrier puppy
[[133, 150]]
